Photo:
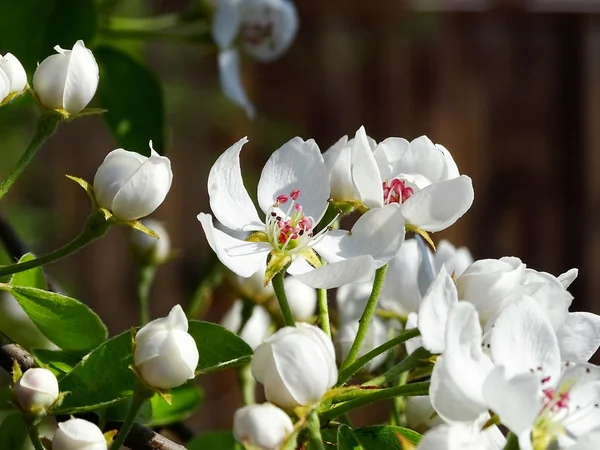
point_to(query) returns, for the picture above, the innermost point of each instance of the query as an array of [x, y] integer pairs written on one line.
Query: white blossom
[[149, 249], [36, 390], [263, 426]]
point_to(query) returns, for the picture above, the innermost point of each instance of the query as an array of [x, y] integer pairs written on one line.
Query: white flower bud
[[149, 249], [420, 415], [132, 185], [376, 335], [301, 298], [263, 426], [296, 366], [67, 80], [36, 390], [165, 354], [257, 327], [78, 434], [254, 287], [13, 78]]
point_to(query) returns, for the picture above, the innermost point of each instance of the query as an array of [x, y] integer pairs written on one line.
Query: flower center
[[288, 229], [256, 33], [396, 191]]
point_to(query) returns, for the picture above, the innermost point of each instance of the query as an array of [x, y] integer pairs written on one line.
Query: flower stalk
[[410, 362], [314, 431], [284, 305], [323, 311], [140, 394], [146, 275], [34, 434]]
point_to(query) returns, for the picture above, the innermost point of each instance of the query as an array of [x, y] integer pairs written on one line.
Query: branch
[[140, 437]]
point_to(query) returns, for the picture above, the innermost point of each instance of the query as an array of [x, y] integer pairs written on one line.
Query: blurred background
[[510, 87]]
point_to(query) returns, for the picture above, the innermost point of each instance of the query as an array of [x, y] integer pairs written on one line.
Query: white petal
[[229, 199], [243, 258], [118, 166], [352, 299], [360, 268], [14, 71], [451, 167], [515, 401], [584, 409], [231, 81], [423, 158], [338, 160], [579, 337], [401, 292], [435, 308], [523, 341], [301, 298], [297, 164], [49, 80], [81, 79], [416, 342], [388, 153], [455, 259], [439, 205], [226, 23], [4, 85], [568, 277], [365, 174], [456, 436]]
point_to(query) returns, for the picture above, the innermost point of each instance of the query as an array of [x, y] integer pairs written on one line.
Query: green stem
[[140, 395], [359, 397], [347, 373], [95, 227], [279, 289], [46, 126], [247, 384], [323, 311], [512, 442], [410, 362], [34, 435], [365, 319], [202, 298], [154, 23], [146, 275], [314, 431]]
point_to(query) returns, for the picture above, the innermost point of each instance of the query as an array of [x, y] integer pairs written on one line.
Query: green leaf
[[133, 97], [184, 400], [103, 377], [118, 411], [219, 348], [69, 21], [29, 278], [346, 440], [65, 321], [369, 438], [214, 440], [58, 361], [13, 432]]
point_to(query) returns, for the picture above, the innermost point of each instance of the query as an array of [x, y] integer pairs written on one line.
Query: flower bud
[[130, 185], [376, 336], [13, 78], [257, 327], [36, 390], [165, 354], [264, 427], [148, 249], [296, 366], [301, 298], [254, 287], [78, 434], [68, 80], [420, 415]]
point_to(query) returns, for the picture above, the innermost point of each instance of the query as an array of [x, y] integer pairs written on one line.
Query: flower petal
[[226, 23], [579, 337], [424, 158], [401, 292], [231, 82], [243, 258], [388, 153], [338, 160], [297, 164], [360, 268], [229, 199], [584, 413], [81, 79], [365, 173], [568, 277], [439, 205]]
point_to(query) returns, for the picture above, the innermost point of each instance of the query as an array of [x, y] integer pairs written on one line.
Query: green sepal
[[311, 256], [278, 261], [258, 236], [10, 97], [16, 372], [421, 233]]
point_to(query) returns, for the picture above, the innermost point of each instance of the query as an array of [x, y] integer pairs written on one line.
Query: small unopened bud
[[263, 427], [301, 298], [36, 390], [78, 434], [148, 249]]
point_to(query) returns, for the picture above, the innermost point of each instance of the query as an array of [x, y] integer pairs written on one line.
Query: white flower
[[257, 327], [67, 80], [462, 436], [266, 29], [130, 185], [165, 355], [149, 249], [302, 299], [13, 78], [377, 334], [296, 366], [78, 434], [292, 192], [36, 390], [420, 176], [263, 426]]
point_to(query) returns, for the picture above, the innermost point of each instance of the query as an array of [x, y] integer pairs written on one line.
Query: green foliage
[[13, 432], [214, 440], [133, 97], [29, 278], [346, 439], [184, 400], [58, 361], [69, 21], [369, 438]]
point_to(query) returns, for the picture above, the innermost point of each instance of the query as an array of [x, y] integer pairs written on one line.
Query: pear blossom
[[302, 299], [67, 80], [296, 366], [264, 426], [131, 185], [36, 390], [165, 354], [13, 79], [292, 192], [377, 334], [257, 327], [266, 29], [78, 434], [419, 176]]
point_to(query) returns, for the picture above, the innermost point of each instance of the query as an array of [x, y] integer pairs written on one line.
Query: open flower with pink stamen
[[293, 193]]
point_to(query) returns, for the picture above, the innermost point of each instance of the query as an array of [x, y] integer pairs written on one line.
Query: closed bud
[[13, 78], [376, 335], [36, 390], [296, 366], [67, 80], [78, 434], [302, 299], [148, 249], [256, 328], [131, 185], [165, 354], [263, 427]]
